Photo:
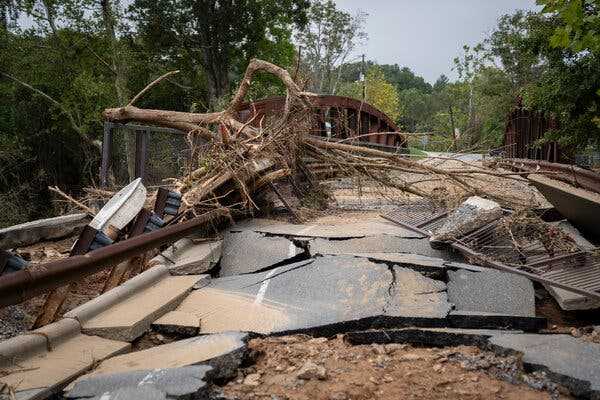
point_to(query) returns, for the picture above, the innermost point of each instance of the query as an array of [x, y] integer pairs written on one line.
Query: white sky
[[426, 35]]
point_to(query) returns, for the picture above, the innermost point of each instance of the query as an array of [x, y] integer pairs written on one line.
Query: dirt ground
[[301, 368]]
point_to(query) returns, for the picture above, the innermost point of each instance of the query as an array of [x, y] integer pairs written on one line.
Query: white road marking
[[260, 295], [263, 287]]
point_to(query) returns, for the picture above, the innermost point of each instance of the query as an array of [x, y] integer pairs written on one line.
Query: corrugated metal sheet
[[524, 131]]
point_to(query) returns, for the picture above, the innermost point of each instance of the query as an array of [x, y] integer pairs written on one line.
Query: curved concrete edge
[[41, 339], [185, 257], [106, 300]]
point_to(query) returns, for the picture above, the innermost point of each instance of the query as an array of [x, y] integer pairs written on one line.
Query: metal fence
[[160, 153]]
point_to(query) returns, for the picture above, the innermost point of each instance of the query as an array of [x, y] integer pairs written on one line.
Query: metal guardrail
[[28, 283]]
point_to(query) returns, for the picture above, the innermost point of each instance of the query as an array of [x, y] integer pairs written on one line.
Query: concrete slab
[[42, 362], [168, 383], [491, 292], [568, 361], [127, 311], [371, 227], [325, 295], [381, 244], [185, 257], [247, 252], [224, 352], [43, 229]]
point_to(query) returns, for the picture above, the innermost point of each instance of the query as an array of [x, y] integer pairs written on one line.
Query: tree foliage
[[378, 92], [327, 41]]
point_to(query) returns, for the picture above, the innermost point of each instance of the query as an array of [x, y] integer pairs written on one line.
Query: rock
[[395, 347], [378, 349], [311, 371], [338, 396], [576, 333], [43, 229], [410, 357], [437, 367], [252, 380], [469, 216]]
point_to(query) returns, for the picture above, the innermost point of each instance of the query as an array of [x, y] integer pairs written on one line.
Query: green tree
[[379, 92], [579, 27], [218, 37], [327, 41], [557, 80]]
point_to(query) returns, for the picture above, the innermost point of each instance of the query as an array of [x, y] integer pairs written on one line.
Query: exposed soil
[[302, 368]]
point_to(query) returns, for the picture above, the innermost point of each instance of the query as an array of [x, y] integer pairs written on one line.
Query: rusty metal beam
[[56, 297], [571, 174], [37, 279]]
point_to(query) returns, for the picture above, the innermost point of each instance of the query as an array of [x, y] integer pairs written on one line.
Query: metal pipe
[[25, 284]]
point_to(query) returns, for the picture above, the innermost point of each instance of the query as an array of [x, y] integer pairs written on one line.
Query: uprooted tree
[[245, 155]]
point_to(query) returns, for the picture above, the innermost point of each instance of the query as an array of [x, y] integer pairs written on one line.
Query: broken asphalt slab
[[381, 244], [491, 292], [247, 252], [568, 361], [223, 352], [492, 299], [370, 227], [327, 295], [169, 383]]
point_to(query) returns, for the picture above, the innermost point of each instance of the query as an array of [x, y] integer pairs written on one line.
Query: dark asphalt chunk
[[572, 362], [248, 252], [491, 292], [169, 383]]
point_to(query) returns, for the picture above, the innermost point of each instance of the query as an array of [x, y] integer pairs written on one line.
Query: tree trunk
[[121, 77], [453, 128]]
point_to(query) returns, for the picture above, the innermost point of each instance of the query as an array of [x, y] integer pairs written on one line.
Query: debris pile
[[220, 308]]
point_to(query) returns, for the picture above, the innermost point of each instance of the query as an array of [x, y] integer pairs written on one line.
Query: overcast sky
[[426, 35]]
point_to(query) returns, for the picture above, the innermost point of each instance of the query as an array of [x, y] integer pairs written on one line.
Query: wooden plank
[[56, 298]]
